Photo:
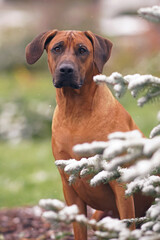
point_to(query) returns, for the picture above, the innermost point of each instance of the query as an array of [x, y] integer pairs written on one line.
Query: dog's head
[[71, 55]]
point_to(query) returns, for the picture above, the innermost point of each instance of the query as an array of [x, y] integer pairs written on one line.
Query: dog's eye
[[57, 49], [82, 50]]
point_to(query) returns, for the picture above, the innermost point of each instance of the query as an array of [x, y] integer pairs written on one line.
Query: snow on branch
[[120, 152], [122, 148], [153, 225], [65, 214], [156, 130], [87, 149], [137, 84], [148, 185], [104, 177], [143, 168], [150, 13], [83, 167], [51, 204], [107, 228], [70, 214], [125, 135]]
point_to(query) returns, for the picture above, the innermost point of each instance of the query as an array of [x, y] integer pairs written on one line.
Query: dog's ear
[[101, 49], [34, 49]]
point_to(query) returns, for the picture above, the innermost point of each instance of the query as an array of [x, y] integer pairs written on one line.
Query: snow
[[50, 215], [151, 14], [147, 226], [156, 227], [112, 224], [51, 204], [125, 135], [151, 146], [155, 131], [68, 213], [144, 184], [138, 80], [102, 176], [37, 211], [88, 149], [154, 211], [135, 83], [81, 218]]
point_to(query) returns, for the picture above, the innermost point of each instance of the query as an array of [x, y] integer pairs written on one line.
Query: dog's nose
[[66, 68]]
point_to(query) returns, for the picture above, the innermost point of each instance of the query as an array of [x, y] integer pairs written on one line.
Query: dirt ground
[[26, 223]]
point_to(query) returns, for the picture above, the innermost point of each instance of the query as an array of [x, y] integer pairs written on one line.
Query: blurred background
[[27, 97]]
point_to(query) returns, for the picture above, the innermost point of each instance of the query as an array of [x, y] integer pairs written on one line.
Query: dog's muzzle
[[66, 76]]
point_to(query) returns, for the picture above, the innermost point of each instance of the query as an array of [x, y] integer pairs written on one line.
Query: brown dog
[[85, 112]]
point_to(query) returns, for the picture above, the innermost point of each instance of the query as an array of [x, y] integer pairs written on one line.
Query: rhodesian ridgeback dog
[[85, 112]]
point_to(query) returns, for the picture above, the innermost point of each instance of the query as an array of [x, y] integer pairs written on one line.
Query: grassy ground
[[28, 173], [27, 170], [21, 83], [145, 117]]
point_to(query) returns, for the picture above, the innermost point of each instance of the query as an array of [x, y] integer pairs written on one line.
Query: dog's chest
[[66, 136], [67, 132]]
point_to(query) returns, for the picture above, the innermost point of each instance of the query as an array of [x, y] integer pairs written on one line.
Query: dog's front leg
[[71, 197], [125, 205]]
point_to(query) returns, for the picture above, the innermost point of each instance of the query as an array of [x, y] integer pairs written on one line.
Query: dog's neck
[[81, 102], [69, 99]]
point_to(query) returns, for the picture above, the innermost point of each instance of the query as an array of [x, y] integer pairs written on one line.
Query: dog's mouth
[[72, 81], [67, 75], [60, 84]]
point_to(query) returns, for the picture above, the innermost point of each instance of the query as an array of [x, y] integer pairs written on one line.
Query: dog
[[85, 112]]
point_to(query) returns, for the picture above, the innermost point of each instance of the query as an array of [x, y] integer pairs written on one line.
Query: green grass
[[27, 174], [27, 169], [21, 83], [145, 117]]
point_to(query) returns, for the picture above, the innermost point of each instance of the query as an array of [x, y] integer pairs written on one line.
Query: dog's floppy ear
[[34, 49], [101, 49]]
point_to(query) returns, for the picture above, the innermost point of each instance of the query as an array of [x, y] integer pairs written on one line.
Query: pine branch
[[104, 177], [151, 14], [90, 149], [149, 96], [155, 131], [148, 185], [121, 148], [142, 168], [108, 228], [135, 83]]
